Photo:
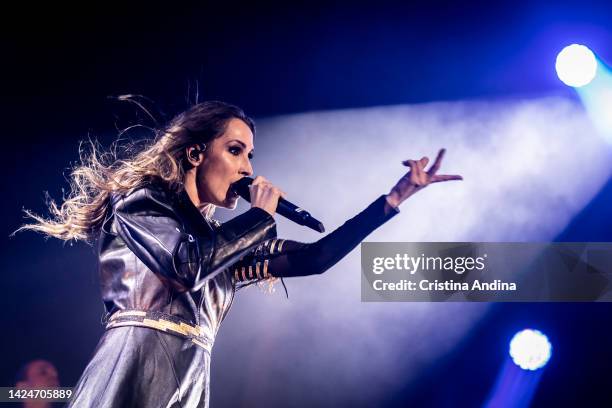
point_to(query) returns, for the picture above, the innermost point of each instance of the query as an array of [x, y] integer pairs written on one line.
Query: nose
[[247, 169]]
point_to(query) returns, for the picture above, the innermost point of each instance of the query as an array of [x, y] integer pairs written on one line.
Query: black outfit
[[168, 279]]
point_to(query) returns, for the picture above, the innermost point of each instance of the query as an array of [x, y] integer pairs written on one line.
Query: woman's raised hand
[[417, 179], [264, 195]]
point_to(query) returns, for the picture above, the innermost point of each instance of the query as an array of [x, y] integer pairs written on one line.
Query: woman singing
[[168, 270]]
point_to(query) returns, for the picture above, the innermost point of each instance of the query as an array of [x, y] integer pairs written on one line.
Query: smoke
[[529, 166]]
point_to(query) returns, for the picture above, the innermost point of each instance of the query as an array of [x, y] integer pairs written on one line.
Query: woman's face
[[227, 159]]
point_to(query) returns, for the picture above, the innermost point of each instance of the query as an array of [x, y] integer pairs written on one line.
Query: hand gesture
[[417, 179]]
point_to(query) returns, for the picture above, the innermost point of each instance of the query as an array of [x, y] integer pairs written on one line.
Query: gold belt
[[162, 322]]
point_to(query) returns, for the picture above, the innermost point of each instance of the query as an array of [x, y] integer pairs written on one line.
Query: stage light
[[576, 65], [530, 349]]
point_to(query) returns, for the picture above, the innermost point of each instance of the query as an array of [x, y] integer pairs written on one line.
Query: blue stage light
[[530, 349], [576, 65]]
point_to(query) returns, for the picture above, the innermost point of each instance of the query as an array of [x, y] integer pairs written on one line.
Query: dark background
[[61, 65]]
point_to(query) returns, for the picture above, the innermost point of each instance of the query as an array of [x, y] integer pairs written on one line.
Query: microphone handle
[[298, 215], [284, 207]]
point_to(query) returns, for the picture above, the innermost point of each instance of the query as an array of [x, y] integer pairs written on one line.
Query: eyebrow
[[242, 143]]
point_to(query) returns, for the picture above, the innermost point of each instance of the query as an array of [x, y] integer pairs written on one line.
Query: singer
[[168, 270]]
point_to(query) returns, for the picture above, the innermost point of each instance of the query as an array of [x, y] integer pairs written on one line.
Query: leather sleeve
[[152, 227], [285, 258]]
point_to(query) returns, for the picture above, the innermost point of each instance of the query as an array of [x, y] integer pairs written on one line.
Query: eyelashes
[[236, 150]]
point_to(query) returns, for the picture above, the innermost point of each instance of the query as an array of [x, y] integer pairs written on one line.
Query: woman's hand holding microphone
[[265, 195]]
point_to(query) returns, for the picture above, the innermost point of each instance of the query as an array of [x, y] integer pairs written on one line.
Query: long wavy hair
[[100, 173]]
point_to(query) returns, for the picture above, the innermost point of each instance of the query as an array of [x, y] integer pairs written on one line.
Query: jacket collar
[[194, 218]]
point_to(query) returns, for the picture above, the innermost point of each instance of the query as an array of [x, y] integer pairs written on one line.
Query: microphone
[[284, 207]]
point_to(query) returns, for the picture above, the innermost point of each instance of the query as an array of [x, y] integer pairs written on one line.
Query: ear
[[194, 155]]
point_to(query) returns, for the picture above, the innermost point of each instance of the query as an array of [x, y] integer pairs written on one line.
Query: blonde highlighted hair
[[100, 173]]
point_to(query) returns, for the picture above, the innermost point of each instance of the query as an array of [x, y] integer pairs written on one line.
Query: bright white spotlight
[[576, 65], [530, 349]]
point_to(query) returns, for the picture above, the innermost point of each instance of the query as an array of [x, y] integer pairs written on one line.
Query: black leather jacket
[[157, 252], [168, 279]]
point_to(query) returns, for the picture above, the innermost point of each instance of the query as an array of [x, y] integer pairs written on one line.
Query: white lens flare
[[576, 65], [530, 349]]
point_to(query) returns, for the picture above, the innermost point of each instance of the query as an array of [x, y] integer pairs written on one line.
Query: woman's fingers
[[263, 182], [414, 172], [423, 162], [259, 180], [265, 195], [420, 178], [445, 177], [423, 175], [436, 166], [416, 175]]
